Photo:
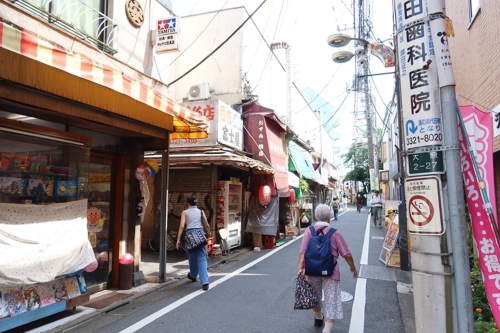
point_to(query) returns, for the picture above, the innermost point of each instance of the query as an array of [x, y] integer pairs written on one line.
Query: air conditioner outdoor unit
[[199, 91]]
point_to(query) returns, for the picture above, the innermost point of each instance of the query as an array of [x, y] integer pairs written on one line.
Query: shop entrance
[[104, 217]]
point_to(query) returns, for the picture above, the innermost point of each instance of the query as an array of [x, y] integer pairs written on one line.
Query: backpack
[[335, 205], [319, 258]]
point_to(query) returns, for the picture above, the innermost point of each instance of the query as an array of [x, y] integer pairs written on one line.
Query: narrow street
[[254, 292]]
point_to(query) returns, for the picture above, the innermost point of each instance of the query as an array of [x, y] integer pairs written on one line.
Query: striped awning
[[186, 123]]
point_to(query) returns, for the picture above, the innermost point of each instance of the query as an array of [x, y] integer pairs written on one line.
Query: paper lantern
[[142, 173], [153, 166], [291, 198], [91, 267], [264, 195]]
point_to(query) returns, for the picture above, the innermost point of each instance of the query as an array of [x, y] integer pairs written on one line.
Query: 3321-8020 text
[[437, 137]]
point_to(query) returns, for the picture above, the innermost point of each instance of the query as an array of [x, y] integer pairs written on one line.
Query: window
[[474, 7], [84, 19]]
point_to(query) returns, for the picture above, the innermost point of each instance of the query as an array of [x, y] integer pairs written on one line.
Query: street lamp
[[381, 51]]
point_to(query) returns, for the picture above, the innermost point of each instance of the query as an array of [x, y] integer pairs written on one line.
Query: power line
[[317, 95], [274, 38], [187, 48], [218, 47]]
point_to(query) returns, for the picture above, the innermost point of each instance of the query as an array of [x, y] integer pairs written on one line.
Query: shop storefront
[[216, 170], [264, 138], [72, 133]]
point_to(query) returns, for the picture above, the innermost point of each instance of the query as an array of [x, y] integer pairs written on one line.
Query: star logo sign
[[162, 24], [171, 23]]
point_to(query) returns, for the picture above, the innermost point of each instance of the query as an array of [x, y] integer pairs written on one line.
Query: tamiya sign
[[167, 34]]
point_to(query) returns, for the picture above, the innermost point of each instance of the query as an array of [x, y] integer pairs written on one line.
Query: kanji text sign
[[424, 206], [418, 72], [425, 163]]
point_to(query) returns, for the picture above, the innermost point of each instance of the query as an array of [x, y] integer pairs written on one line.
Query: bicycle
[[154, 239], [359, 206]]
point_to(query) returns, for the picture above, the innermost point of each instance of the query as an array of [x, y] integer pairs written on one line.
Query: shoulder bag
[[195, 238]]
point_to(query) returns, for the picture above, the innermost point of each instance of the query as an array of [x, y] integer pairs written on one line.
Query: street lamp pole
[[339, 40]]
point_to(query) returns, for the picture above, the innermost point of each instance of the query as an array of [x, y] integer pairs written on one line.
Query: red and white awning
[[186, 123]]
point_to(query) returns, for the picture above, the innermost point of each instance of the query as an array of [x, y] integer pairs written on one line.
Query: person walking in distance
[[335, 206], [376, 202], [344, 202], [359, 202], [330, 285], [194, 218]]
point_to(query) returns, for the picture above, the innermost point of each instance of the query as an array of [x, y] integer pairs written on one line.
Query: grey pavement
[[380, 281]]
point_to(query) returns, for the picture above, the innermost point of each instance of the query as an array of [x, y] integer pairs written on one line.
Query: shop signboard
[[226, 125], [422, 124], [424, 205], [167, 34]]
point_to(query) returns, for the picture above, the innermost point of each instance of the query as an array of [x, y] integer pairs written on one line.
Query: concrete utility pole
[[454, 181], [363, 83], [430, 125]]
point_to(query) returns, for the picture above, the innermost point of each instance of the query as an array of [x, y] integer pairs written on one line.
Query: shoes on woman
[[319, 322], [205, 286], [191, 278]]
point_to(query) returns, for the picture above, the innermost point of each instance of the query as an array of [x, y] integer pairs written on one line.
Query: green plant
[[483, 318], [304, 187]]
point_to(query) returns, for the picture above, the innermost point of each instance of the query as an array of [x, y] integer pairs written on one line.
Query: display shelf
[[28, 174]]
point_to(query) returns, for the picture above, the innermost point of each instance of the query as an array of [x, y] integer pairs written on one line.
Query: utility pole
[[363, 84], [428, 98]]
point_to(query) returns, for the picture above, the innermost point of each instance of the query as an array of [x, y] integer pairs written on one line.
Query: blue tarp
[[302, 161]]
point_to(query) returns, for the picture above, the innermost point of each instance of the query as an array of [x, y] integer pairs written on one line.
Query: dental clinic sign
[[167, 34], [418, 72]]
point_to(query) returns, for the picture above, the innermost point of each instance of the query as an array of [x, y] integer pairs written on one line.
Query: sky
[[305, 25]]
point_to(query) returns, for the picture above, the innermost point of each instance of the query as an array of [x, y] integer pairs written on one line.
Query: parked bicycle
[[154, 239]]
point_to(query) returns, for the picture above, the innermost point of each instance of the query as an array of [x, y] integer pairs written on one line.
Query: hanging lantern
[[264, 195], [291, 198]]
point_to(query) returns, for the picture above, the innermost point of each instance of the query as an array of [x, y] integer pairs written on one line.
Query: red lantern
[[264, 195], [291, 198]]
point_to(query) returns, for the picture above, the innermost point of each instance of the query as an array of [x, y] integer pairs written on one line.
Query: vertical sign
[[167, 34], [418, 72], [423, 204]]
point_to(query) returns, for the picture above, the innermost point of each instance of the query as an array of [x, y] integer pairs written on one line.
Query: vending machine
[[229, 200]]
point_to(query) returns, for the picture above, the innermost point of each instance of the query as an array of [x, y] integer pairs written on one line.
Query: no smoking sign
[[424, 207]]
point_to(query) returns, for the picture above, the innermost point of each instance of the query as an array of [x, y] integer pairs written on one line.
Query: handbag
[[305, 297], [194, 239]]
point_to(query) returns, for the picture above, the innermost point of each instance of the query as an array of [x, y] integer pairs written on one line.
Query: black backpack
[[319, 258]]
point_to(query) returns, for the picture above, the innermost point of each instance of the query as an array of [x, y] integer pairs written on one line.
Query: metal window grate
[[104, 34]]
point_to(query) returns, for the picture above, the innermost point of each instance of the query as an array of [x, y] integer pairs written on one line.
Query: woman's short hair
[[323, 213], [192, 200]]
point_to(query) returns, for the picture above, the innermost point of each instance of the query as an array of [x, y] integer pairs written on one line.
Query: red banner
[[478, 126]]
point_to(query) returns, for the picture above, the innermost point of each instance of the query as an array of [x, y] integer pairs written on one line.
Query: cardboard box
[[394, 259], [39, 187], [11, 186], [291, 230], [65, 188]]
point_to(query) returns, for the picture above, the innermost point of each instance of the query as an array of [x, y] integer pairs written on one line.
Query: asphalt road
[[255, 293]]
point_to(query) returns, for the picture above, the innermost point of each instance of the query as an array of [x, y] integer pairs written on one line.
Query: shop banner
[[479, 128], [482, 229]]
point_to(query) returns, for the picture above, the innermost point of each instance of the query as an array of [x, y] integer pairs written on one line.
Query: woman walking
[[330, 285], [344, 202], [192, 219]]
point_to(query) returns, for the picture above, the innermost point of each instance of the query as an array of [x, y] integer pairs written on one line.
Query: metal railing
[[78, 19]]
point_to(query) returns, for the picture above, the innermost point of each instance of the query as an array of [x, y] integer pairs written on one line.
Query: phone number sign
[[424, 205], [418, 72]]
